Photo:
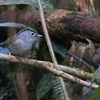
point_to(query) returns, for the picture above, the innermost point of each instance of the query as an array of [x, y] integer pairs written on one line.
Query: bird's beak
[[40, 35]]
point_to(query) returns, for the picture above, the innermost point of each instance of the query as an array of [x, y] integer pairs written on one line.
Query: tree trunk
[[63, 24]]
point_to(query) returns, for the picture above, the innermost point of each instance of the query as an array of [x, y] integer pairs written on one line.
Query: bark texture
[[62, 24]]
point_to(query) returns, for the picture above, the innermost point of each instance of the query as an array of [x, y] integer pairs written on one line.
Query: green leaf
[[60, 47], [37, 43], [46, 55], [60, 50], [60, 59], [95, 95], [45, 52], [12, 24], [96, 74], [45, 3], [57, 87], [44, 85], [12, 2]]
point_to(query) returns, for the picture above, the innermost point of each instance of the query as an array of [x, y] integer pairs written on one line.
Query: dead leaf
[[92, 47], [73, 47]]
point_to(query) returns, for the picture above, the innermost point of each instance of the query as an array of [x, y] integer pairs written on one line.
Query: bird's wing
[[8, 41]]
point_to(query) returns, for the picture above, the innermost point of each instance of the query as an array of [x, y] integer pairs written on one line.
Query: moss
[[38, 62], [54, 66], [49, 64], [77, 69], [98, 79], [61, 73], [87, 74]]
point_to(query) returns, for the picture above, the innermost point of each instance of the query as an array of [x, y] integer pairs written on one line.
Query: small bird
[[22, 42]]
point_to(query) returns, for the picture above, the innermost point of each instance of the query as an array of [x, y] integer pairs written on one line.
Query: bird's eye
[[32, 34]]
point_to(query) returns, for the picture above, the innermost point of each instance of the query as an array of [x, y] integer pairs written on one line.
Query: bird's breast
[[19, 47]]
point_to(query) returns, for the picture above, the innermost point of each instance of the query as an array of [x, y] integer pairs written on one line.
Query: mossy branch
[[53, 68]]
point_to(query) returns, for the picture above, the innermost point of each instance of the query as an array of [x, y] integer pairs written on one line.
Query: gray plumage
[[22, 42]]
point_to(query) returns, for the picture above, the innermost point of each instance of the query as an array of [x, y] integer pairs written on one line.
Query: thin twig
[[50, 48], [75, 56], [93, 7], [84, 94]]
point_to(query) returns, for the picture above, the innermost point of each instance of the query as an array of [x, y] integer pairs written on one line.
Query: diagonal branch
[[62, 84], [53, 68]]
